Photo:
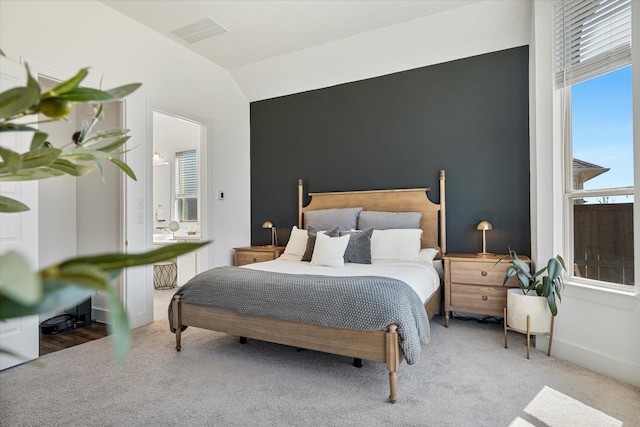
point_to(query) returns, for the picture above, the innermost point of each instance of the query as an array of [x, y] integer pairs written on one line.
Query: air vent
[[199, 30]]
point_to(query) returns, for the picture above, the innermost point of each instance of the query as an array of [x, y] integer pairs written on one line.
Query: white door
[[18, 232]]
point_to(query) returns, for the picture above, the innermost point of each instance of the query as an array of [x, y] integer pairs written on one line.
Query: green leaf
[[551, 299], [17, 280], [38, 140], [17, 100], [13, 127], [103, 134], [86, 154], [114, 261], [108, 148], [125, 168], [56, 296], [67, 86], [12, 160], [82, 275], [522, 266], [30, 174], [40, 157], [118, 327], [555, 268], [32, 82], [122, 91], [8, 205], [85, 94], [70, 168]]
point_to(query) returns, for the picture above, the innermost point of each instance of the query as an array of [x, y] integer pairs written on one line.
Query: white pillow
[[329, 251], [296, 245], [401, 244], [428, 254]]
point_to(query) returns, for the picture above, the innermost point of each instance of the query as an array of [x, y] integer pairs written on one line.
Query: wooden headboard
[[433, 223]]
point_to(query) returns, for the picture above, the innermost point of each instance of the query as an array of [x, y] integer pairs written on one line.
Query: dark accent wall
[[469, 117]]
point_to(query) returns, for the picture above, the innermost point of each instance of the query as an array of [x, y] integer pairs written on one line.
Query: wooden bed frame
[[378, 346]]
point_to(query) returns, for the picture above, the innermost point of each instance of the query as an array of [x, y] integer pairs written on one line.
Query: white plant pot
[[537, 307]]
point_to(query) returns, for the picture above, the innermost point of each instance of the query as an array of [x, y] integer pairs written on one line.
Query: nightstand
[[251, 254], [473, 284]]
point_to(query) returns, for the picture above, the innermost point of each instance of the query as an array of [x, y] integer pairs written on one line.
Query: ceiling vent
[[199, 30]]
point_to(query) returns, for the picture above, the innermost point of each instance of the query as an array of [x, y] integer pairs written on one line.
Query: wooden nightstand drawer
[[489, 300], [252, 254], [249, 257], [478, 273]]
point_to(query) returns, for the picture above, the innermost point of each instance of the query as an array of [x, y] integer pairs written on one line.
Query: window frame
[[570, 194]]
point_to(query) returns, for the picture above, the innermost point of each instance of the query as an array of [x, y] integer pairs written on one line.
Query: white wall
[[480, 28], [67, 35]]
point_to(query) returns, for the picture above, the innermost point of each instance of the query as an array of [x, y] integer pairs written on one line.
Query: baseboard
[[621, 370]]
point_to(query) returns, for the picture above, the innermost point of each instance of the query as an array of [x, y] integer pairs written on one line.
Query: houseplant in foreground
[[23, 291], [531, 308]]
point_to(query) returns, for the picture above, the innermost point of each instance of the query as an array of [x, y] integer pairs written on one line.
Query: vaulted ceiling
[[253, 31]]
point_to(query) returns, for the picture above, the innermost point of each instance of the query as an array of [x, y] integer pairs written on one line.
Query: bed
[[386, 344]]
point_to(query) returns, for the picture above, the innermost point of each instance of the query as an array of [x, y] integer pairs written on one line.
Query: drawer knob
[[484, 273], [484, 297], [255, 259]]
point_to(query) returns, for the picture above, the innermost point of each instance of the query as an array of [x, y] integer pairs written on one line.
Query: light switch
[[220, 195]]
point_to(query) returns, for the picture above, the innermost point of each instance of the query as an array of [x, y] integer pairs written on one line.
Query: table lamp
[[274, 237], [484, 225]]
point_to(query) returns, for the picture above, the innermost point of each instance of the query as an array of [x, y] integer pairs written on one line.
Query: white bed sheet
[[420, 275]]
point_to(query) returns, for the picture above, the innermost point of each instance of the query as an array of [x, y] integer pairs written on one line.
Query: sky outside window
[[602, 127]]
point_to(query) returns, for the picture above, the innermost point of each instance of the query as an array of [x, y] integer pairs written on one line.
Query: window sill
[[619, 298]]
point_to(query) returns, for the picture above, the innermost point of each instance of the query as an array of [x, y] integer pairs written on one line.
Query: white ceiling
[[262, 29]]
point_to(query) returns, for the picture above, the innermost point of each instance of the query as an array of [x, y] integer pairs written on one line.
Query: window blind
[[591, 38], [186, 174]]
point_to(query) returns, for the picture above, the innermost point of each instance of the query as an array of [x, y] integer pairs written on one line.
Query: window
[[186, 182], [593, 71]]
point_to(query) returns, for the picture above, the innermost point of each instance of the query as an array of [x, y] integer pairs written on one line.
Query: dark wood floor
[[61, 340]]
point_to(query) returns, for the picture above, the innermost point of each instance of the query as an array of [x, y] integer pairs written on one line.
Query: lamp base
[[485, 253]]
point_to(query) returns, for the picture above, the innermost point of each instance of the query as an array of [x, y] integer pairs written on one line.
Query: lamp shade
[[267, 224], [482, 225]]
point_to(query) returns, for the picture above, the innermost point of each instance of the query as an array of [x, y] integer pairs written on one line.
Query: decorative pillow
[[326, 219], [401, 244], [359, 247], [311, 240], [296, 246], [329, 251], [388, 220]]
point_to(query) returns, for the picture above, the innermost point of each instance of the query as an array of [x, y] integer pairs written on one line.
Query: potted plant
[[531, 308]]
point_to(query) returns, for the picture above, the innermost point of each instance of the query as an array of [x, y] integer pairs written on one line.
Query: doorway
[[177, 196]]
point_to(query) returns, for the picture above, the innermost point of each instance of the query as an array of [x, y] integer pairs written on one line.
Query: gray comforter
[[366, 303]]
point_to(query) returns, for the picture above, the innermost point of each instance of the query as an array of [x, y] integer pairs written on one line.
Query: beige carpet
[[465, 377]]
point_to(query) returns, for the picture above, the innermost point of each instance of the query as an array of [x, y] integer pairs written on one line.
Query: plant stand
[[528, 333]]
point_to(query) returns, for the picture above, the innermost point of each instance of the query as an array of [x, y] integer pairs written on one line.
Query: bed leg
[[393, 361], [357, 362], [176, 320], [243, 340]]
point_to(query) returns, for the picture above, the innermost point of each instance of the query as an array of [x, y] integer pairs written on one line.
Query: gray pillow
[[388, 220], [311, 241], [359, 247], [326, 219]]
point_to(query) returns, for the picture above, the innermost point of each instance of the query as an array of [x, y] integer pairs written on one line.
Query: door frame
[[205, 177]]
